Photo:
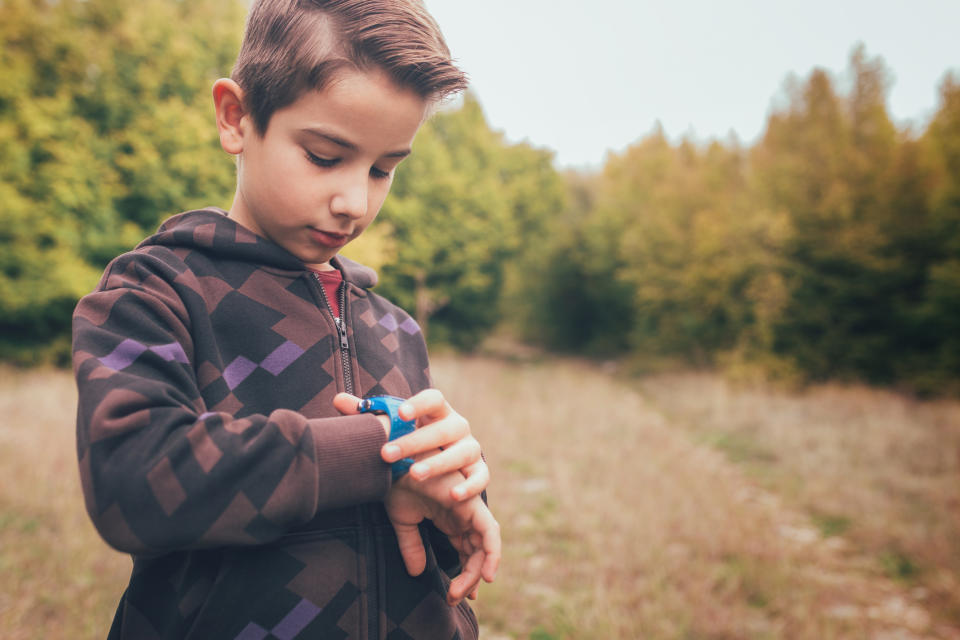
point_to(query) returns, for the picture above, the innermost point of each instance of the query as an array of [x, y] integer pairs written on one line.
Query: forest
[[829, 249]]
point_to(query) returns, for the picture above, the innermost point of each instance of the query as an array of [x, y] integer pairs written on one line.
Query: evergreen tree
[[826, 162]]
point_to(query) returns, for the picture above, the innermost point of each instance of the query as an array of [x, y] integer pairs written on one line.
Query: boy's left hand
[[468, 525], [439, 427]]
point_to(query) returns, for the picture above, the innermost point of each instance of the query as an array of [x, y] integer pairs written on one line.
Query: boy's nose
[[350, 199]]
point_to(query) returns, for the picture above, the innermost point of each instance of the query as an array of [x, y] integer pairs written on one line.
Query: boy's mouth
[[329, 238]]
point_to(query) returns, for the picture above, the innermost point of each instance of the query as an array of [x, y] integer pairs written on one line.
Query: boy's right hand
[[442, 442], [469, 525]]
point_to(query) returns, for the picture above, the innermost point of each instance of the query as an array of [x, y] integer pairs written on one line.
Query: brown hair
[[292, 46]]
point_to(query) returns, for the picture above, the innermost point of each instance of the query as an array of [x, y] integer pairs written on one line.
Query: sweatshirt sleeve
[[160, 471]]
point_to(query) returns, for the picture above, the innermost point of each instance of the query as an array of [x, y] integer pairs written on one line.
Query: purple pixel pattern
[[237, 371], [410, 326], [388, 322], [171, 352], [294, 622], [124, 355], [281, 358], [252, 631]]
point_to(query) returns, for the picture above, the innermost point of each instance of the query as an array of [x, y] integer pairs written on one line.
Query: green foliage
[[827, 161], [934, 320], [871, 250], [567, 295], [829, 249], [105, 129], [667, 258], [461, 209]]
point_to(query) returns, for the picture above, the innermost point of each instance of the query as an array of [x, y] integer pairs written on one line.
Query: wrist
[[385, 422], [387, 409]]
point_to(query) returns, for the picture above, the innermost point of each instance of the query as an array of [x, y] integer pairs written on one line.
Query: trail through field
[[619, 524]]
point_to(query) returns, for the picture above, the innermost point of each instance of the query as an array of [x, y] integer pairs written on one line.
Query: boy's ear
[[231, 116]]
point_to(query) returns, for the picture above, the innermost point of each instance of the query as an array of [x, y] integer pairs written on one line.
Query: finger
[[473, 594], [429, 405], [491, 563], [436, 435], [475, 541], [411, 548], [346, 404], [467, 581], [478, 477], [487, 526], [459, 455]]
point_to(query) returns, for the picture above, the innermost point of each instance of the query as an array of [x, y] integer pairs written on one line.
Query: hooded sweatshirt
[[207, 360]]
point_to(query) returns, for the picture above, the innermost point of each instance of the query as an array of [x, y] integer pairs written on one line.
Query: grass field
[[670, 506]]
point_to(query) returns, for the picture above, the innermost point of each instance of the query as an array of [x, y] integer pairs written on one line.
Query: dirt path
[[619, 525], [878, 470], [857, 593], [840, 584]]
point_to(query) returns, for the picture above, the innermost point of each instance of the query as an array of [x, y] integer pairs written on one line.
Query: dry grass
[[878, 467], [57, 578], [618, 523]]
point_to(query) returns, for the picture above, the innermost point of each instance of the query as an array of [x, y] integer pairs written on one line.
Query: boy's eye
[[326, 163], [379, 174], [322, 162]]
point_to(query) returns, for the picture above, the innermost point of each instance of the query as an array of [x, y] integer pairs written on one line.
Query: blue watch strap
[[390, 406]]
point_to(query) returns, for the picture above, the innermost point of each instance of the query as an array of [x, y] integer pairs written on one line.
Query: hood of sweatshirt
[[212, 231]]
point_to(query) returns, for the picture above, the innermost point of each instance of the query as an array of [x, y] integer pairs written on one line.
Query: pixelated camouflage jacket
[[206, 361]]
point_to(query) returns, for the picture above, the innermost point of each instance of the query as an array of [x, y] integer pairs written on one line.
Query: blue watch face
[[390, 405], [380, 404]]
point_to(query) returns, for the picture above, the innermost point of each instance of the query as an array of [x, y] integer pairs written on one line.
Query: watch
[[390, 406]]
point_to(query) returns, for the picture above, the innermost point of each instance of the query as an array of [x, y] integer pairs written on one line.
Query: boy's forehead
[[357, 107], [366, 90]]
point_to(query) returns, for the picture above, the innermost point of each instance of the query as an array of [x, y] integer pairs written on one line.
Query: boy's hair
[[292, 46]]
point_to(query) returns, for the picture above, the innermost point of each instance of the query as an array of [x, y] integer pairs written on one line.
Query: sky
[[587, 77]]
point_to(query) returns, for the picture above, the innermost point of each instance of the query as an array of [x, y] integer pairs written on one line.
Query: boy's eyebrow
[[346, 144]]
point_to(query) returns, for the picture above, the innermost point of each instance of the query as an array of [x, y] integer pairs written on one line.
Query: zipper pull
[[342, 332]]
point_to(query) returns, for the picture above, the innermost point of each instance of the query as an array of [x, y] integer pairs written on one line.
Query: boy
[[220, 365]]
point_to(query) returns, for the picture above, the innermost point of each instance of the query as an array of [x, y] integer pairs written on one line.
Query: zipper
[[363, 510], [341, 323]]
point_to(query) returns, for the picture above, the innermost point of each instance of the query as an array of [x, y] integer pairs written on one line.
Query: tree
[[937, 317], [827, 160], [106, 127]]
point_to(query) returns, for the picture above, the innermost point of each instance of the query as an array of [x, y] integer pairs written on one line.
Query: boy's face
[[318, 176]]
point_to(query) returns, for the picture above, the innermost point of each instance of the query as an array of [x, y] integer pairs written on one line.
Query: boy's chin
[[320, 263]]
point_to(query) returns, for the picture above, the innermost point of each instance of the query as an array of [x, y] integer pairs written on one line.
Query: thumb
[[411, 548], [346, 404]]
